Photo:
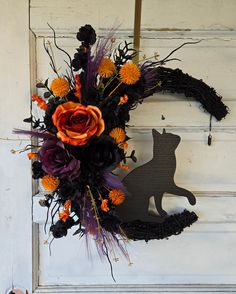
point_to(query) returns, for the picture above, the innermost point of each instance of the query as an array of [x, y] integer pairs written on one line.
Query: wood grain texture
[[202, 259], [15, 182], [190, 258], [181, 288], [188, 15], [68, 16], [212, 207]]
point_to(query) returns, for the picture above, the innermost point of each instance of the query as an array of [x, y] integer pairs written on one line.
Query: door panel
[[204, 253], [177, 261]]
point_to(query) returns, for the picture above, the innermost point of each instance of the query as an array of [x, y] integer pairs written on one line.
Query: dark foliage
[[52, 105]]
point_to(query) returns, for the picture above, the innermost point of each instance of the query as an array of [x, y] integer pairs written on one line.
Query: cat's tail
[[173, 225]]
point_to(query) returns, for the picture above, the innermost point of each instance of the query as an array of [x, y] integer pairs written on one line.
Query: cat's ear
[[164, 131], [155, 133]]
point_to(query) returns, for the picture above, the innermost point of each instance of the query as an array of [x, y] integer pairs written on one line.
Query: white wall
[[15, 182]]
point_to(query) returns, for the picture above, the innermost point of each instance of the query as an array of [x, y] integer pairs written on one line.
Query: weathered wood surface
[[205, 253]]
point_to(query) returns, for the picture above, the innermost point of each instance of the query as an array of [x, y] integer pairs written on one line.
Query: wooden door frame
[[111, 288]]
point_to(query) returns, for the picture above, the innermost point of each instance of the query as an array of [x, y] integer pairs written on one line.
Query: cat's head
[[165, 139]]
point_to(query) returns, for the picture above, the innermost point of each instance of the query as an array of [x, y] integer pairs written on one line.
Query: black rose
[[37, 170], [80, 58], [87, 35], [59, 229], [68, 189], [101, 153]]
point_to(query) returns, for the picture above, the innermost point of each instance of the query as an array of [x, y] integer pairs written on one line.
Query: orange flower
[[50, 183], [63, 215], [107, 68], [123, 167], [67, 205], [118, 134], [77, 87], [60, 87], [40, 102], [32, 155], [130, 73], [77, 123], [123, 145], [104, 205], [123, 100], [116, 196]]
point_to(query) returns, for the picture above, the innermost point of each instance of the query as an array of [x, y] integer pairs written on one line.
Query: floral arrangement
[[82, 138]]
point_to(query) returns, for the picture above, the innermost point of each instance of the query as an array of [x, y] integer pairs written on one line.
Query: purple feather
[[149, 73], [37, 134], [105, 241], [113, 182], [102, 48]]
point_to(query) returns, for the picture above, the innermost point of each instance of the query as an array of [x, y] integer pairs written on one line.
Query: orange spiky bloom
[[116, 196], [104, 205], [40, 102], [50, 183], [130, 73], [60, 87], [107, 68], [32, 155], [118, 134]]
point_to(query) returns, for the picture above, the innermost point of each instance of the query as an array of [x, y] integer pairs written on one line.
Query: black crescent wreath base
[[173, 225]]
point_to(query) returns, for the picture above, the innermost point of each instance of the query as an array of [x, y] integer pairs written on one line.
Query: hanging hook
[[209, 139]]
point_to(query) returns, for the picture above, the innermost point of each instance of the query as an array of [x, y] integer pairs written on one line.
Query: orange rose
[[77, 123]]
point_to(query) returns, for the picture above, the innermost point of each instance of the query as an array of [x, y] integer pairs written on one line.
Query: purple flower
[[57, 161]]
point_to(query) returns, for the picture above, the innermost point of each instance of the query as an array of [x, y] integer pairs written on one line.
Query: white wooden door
[[15, 183], [202, 259]]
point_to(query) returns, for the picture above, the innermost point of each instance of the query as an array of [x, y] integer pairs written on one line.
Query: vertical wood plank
[[15, 187], [137, 28]]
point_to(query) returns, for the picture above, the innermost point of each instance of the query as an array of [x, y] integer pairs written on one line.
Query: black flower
[[59, 229], [87, 35], [37, 170], [101, 153], [80, 58], [68, 189]]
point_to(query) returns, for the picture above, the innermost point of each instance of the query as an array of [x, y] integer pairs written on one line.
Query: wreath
[[82, 138]]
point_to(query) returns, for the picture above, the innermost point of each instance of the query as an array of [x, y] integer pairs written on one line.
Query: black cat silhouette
[[154, 178]]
